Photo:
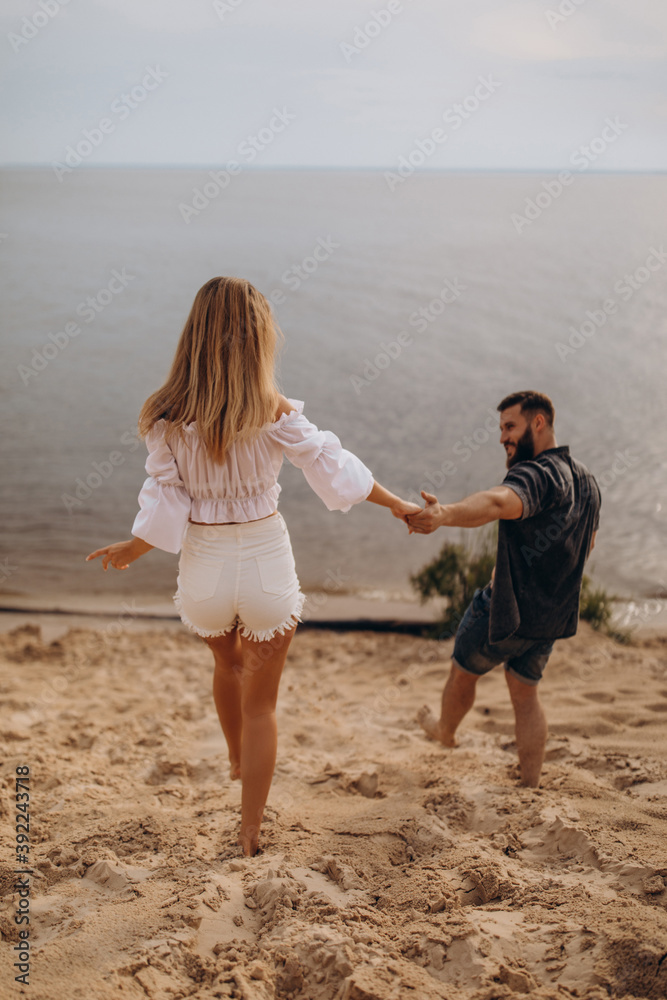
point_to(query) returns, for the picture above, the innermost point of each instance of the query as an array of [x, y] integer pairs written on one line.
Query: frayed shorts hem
[[257, 635]]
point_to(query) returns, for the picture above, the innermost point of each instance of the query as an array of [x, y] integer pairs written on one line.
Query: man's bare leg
[[530, 729], [458, 697]]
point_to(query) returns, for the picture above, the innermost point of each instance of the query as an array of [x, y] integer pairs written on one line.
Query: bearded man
[[548, 509]]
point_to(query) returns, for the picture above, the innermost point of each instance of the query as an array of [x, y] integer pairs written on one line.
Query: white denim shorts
[[239, 574]]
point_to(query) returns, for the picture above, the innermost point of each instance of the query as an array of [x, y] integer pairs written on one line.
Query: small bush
[[596, 607], [455, 574]]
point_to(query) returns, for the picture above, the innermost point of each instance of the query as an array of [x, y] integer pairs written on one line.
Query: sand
[[391, 867]]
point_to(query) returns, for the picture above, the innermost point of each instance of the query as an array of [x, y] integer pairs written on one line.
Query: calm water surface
[[495, 306]]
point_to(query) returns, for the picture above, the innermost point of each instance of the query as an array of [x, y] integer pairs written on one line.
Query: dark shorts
[[473, 653]]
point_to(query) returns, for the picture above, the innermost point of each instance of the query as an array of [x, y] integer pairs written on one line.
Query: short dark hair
[[530, 403]]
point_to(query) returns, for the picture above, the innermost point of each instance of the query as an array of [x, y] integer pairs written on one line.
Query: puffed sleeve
[[338, 477], [164, 501]]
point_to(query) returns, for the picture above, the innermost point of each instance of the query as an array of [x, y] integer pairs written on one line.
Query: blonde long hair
[[222, 375]]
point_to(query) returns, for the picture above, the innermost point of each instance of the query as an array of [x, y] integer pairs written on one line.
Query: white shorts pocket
[[197, 578], [276, 573]]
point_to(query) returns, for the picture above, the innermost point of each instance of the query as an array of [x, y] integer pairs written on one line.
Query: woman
[[216, 433]]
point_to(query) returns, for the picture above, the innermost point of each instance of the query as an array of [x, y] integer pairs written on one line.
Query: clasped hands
[[420, 520]]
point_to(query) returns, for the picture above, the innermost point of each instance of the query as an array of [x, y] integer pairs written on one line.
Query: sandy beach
[[391, 868]]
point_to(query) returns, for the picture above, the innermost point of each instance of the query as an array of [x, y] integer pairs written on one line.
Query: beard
[[524, 450]]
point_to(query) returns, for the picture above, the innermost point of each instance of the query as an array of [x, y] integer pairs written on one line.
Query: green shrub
[[455, 574], [596, 607]]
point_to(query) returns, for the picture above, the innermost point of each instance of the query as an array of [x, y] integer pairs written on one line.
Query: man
[[548, 509]]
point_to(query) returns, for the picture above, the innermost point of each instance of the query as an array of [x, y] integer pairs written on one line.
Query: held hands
[[121, 554], [403, 509], [425, 520]]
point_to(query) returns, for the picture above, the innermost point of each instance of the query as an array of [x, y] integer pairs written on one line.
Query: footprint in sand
[[365, 784]]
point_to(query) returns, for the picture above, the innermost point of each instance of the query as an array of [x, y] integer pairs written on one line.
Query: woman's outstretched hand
[[403, 508], [121, 554], [399, 508]]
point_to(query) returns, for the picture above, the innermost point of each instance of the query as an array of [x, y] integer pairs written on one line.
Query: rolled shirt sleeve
[[164, 501], [535, 486], [337, 476]]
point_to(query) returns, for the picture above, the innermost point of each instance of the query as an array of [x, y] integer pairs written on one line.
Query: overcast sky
[[359, 83]]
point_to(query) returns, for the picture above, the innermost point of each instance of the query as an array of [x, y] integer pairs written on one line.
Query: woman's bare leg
[[228, 657], [263, 664]]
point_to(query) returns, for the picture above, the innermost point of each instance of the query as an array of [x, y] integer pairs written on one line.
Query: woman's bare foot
[[235, 770], [431, 727], [249, 842]]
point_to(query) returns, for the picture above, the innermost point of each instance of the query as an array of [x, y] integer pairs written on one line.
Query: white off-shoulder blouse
[[185, 484]]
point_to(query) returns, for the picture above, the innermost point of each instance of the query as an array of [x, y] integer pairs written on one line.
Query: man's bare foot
[[431, 727], [235, 770]]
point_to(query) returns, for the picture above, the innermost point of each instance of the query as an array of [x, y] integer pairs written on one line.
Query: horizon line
[[334, 168]]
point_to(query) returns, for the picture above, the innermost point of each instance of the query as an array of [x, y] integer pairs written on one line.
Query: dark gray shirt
[[541, 555]]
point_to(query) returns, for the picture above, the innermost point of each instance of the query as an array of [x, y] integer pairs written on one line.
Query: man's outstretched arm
[[499, 503]]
